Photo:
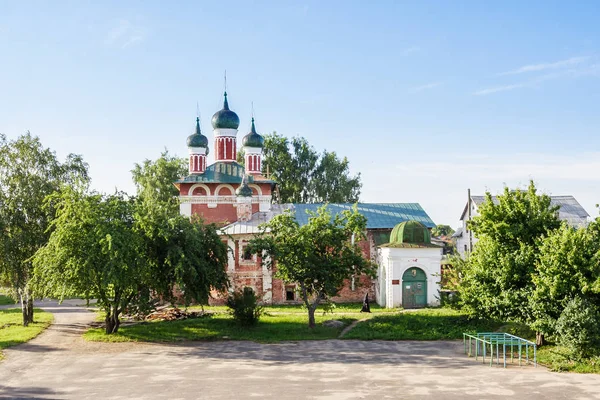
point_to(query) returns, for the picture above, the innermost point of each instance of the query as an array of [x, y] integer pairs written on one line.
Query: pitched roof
[[379, 215], [223, 172], [570, 210]]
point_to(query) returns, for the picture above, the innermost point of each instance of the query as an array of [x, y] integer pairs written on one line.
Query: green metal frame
[[501, 341]]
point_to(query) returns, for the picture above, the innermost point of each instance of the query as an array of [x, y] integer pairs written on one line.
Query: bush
[[244, 307], [578, 329]]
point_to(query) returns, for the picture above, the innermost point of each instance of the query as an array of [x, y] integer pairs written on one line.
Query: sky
[[425, 99]]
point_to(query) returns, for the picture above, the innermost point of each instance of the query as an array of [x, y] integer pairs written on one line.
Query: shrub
[[244, 307], [578, 328]]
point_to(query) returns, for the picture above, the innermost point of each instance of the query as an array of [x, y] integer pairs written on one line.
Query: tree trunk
[[24, 311], [311, 317], [539, 339], [26, 306], [112, 321], [30, 310]]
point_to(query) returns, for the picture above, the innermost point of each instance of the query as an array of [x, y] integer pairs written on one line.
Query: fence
[[502, 342]]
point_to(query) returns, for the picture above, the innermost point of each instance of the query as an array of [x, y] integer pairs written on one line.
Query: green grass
[[279, 323], [426, 324], [4, 300], [12, 331], [558, 358]]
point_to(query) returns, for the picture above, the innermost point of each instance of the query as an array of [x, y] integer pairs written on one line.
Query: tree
[[305, 176], [120, 249], [93, 250], [578, 328], [319, 256], [442, 230], [28, 174], [568, 266], [497, 276], [180, 252]]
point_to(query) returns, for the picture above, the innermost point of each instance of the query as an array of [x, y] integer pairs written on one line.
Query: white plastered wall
[[393, 262]]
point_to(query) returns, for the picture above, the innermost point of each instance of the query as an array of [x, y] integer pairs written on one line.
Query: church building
[[238, 198]]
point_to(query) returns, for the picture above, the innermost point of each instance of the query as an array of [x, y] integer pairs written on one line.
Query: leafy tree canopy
[[305, 176], [497, 276], [442, 230], [568, 267], [120, 249], [93, 250], [318, 256], [29, 173]]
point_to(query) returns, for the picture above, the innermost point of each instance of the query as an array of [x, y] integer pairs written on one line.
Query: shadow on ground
[[7, 392]]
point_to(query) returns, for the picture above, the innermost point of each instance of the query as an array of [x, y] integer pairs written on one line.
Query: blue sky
[[426, 99]]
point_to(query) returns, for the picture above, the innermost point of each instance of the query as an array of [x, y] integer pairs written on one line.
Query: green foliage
[[244, 307], [427, 324], [568, 266], [5, 300], [497, 276], [442, 230], [517, 217], [28, 174], [558, 358], [318, 256], [120, 249], [93, 250], [305, 176], [179, 251], [577, 328]]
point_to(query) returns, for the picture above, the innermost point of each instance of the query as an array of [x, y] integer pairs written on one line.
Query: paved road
[[60, 365]]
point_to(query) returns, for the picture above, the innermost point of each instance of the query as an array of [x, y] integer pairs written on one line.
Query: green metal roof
[[221, 172], [412, 232], [253, 139], [225, 118], [197, 139], [379, 215]]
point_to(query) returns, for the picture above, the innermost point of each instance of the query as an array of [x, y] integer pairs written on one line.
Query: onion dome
[[197, 139], [253, 139], [225, 118], [412, 232], [244, 190]]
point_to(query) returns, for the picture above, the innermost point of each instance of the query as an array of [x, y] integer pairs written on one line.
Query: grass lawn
[[426, 324], [558, 358], [5, 300], [277, 324], [12, 332]]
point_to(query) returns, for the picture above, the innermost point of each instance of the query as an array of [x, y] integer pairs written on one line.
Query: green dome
[[244, 190], [197, 139], [225, 118], [253, 139], [412, 232]]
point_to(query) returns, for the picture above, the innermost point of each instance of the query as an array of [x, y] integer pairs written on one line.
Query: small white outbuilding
[[409, 268]]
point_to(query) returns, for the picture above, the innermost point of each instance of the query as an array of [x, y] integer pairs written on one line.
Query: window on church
[[246, 254], [290, 293]]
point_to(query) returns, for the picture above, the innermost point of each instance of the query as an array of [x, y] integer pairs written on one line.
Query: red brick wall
[[223, 214]]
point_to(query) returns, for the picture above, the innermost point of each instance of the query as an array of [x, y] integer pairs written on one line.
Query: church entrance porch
[[414, 288]]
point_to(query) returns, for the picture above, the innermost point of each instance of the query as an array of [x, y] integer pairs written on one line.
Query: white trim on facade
[[196, 186], [224, 185], [261, 200]]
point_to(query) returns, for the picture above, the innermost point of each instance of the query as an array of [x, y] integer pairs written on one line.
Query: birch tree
[[29, 173]]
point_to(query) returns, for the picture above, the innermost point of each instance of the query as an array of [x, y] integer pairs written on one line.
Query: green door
[[414, 288]]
